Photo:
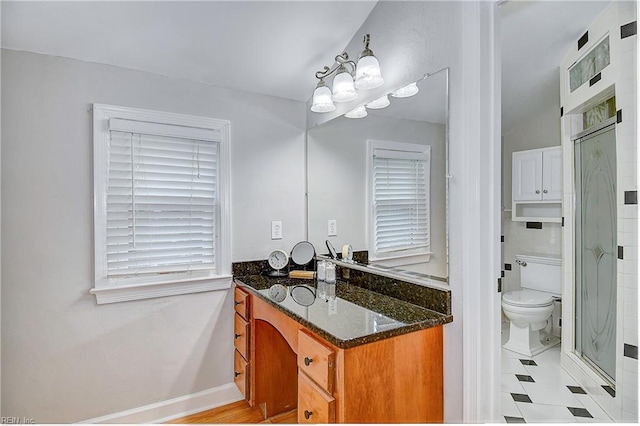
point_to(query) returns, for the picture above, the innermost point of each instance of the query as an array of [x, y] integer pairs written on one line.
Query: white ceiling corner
[[266, 47]]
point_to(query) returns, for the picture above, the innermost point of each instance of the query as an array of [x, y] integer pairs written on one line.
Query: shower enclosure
[[596, 248]]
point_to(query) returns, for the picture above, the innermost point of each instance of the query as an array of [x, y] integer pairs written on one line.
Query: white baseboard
[[170, 409]]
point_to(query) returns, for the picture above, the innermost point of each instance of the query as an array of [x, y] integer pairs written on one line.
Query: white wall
[[338, 180], [65, 359], [538, 131]]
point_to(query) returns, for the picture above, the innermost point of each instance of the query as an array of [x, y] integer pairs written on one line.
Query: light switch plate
[[276, 229], [332, 228]]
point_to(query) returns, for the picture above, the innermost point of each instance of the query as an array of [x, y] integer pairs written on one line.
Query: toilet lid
[[527, 298]]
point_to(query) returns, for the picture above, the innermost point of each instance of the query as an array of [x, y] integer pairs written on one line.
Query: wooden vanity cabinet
[[241, 334], [393, 380]]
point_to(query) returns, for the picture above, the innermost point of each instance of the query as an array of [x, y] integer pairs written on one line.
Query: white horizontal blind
[[161, 204], [400, 202]]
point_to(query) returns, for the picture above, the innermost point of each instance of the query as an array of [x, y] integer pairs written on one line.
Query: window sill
[[126, 293], [394, 261]]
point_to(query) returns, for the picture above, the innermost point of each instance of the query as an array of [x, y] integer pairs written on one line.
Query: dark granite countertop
[[357, 316]]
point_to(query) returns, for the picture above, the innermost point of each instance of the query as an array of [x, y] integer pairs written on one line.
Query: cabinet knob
[[545, 191], [236, 373], [237, 336], [237, 302], [537, 191], [307, 414], [307, 361]]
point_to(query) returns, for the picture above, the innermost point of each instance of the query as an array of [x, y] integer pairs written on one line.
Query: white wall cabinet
[[537, 185]]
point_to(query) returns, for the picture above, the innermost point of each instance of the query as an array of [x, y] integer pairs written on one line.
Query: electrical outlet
[[276, 229], [332, 228]]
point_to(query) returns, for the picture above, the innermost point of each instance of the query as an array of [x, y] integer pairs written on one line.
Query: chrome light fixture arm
[[340, 61]]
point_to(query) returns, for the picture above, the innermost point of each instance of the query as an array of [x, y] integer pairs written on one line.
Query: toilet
[[529, 309]]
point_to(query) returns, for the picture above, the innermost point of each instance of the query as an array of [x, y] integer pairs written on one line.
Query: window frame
[[136, 287], [409, 256]]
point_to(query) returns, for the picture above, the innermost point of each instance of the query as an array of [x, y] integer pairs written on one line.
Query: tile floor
[[538, 390]]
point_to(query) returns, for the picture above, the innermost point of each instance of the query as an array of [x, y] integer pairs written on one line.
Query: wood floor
[[236, 412]]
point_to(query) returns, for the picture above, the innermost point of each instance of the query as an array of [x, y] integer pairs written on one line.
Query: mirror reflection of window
[[400, 204]]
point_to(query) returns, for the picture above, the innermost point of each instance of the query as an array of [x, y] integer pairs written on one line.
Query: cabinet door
[[552, 174], [240, 373], [527, 176], [241, 336], [314, 404]]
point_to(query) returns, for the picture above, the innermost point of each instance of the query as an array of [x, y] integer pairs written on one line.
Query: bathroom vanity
[[362, 358]]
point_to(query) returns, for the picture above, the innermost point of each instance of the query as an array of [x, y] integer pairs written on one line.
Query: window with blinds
[[400, 208], [161, 212], [161, 200]]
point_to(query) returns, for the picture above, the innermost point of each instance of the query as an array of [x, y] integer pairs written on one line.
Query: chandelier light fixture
[[379, 103], [349, 78], [406, 91], [359, 112]]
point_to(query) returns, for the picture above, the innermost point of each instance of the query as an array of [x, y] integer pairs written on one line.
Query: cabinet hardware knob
[[307, 414], [236, 373], [537, 191], [545, 191], [236, 302], [237, 336], [307, 361]]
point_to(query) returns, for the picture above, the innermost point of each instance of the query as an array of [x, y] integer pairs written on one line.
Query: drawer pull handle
[[307, 361], [236, 373], [307, 414], [237, 336], [238, 302]]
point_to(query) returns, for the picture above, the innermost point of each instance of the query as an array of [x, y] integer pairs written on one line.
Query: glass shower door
[[596, 250]]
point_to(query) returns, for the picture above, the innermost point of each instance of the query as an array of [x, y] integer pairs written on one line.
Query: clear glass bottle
[[322, 286], [330, 273], [330, 280]]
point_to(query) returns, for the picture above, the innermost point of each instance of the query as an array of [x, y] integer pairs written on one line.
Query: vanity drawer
[[314, 404], [240, 370], [241, 335], [241, 302], [316, 360]]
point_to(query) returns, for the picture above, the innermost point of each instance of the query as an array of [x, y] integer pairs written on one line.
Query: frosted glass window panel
[[591, 64], [599, 113]]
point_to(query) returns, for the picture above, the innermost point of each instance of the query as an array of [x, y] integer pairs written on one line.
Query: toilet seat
[[527, 298]]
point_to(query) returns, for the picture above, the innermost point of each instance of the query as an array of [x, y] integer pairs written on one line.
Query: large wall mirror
[[383, 180]]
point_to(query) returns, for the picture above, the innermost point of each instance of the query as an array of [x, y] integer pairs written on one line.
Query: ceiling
[[536, 35], [274, 48]]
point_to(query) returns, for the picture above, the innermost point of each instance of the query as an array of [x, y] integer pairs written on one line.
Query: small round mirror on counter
[[332, 249], [303, 253], [303, 295]]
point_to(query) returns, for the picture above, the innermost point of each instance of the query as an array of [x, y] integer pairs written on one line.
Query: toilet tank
[[541, 273]]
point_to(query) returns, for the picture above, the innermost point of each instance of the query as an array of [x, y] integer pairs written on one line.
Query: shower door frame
[[569, 360], [605, 126]]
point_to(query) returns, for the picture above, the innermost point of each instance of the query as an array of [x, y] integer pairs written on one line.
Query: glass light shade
[[359, 112], [368, 74], [322, 99], [343, 88], [406, 91], [379, 103]]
